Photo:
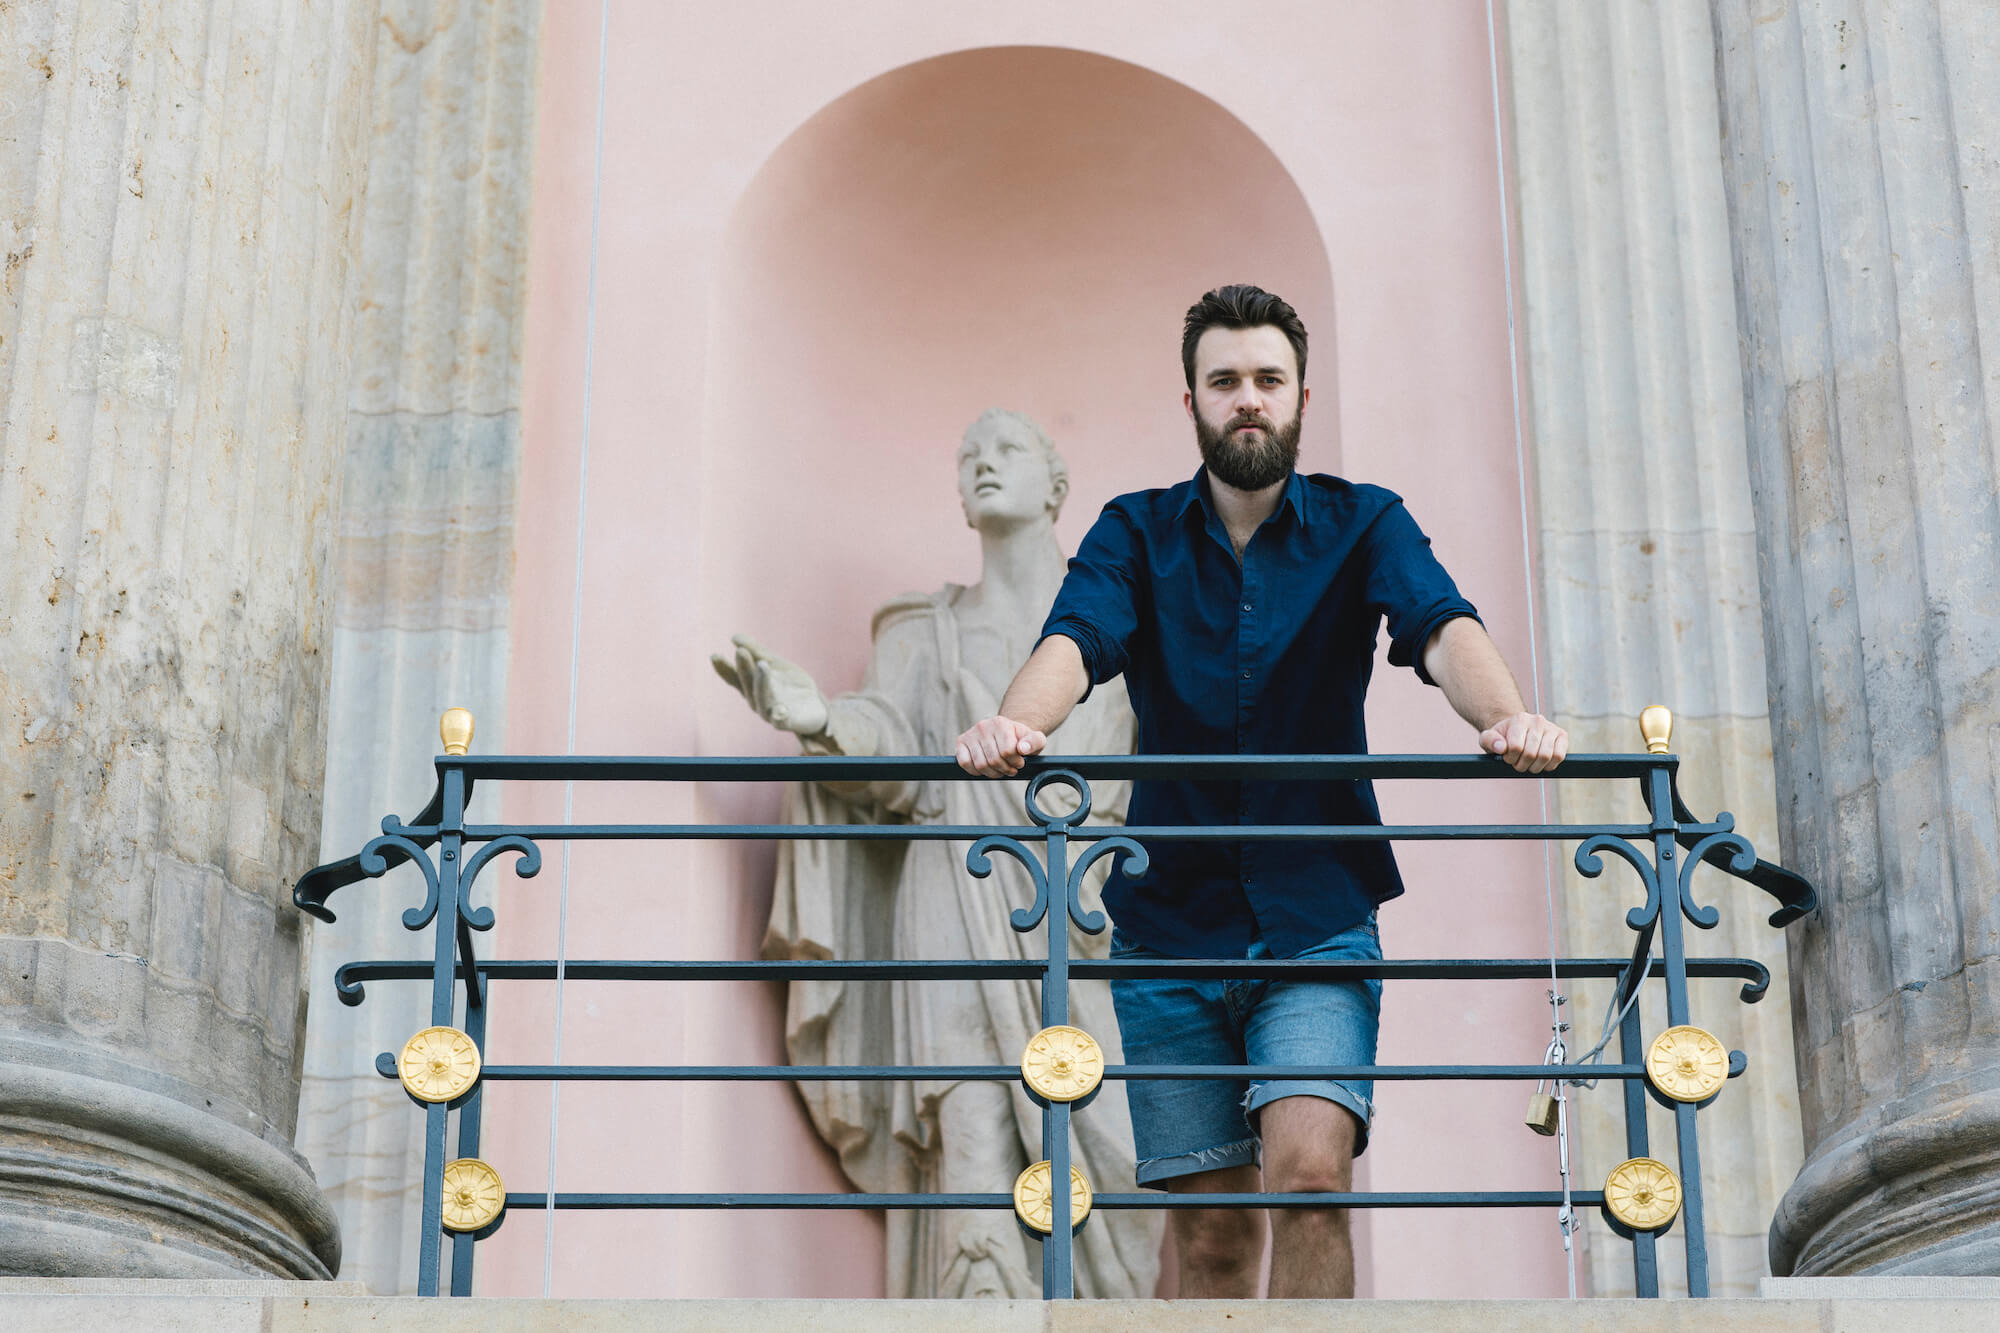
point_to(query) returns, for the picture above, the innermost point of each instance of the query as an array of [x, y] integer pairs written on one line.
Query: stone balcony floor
[[1846, 1306]]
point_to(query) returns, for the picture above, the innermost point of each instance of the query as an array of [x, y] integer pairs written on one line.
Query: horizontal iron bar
[[1083, 969], [1147, 1200], [834, 768], [1031, 833], [1009, 1073]]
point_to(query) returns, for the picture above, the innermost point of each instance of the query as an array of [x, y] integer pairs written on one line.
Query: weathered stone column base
[[1915, 1191], [102, 1179]]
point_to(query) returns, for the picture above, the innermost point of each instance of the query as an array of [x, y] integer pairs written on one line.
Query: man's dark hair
[[1241, 306]]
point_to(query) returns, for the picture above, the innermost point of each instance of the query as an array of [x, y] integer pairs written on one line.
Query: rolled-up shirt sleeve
[[1098, 606], [1408, 587]]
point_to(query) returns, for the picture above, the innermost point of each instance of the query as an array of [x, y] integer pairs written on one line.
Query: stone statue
[[941, 662]]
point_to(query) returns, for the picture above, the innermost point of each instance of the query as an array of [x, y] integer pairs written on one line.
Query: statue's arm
[[881, 718]]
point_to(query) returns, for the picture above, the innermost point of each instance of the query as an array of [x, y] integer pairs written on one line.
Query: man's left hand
[[1529, 742]]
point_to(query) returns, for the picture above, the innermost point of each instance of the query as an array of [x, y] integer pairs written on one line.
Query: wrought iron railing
[[442, 1066]]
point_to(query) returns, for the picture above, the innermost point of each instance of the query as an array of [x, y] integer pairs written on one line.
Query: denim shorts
[[1181, 1126]]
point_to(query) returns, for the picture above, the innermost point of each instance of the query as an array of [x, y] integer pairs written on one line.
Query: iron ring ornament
[[473, 1195], [438, 1064], [1062, 1064], [1687, 1064], [1641, 1194], [1034, 1203], [979, 862]]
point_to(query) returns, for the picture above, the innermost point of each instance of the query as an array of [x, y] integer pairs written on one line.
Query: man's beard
[[1243, 465]]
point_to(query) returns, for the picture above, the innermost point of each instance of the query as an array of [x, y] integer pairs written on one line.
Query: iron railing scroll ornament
[[443, 1067]]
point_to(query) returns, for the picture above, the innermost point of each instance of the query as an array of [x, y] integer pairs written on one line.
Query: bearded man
[[1241, 608]]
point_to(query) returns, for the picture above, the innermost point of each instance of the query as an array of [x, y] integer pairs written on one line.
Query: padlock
[[1542, 1113]]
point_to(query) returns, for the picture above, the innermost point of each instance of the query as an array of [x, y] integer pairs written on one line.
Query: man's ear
[[1187, 401], [1305, 396]]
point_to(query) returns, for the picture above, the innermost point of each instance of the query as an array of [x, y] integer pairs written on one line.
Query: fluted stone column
[[424, 554], [1648, 559], [179, 189], [1864, 199]]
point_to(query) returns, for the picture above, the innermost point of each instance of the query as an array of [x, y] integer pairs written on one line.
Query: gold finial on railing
[[1656, 724], [455, 727]]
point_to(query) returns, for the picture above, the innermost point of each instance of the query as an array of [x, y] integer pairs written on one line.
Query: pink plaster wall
[[821, 253]]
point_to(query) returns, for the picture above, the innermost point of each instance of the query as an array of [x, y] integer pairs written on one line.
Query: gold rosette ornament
[[473, 1194], [1687, 1064], [1642, 1193], [1036, 1207], [438, 1065], [1062, 1064]]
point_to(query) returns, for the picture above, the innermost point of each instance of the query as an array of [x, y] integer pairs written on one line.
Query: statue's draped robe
[[857, 900]]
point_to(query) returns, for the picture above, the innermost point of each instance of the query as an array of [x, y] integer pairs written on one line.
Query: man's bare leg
[[1309, 1148], [1221, 1250]]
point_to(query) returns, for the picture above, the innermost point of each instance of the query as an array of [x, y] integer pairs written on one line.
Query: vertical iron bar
[[1645, 1251], [1697, 1239], [468, 1123], [1058, 1271], [1673, 949], [451, 841]]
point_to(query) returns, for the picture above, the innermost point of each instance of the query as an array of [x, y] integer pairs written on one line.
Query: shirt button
[[1246, 606], [1246, 675]]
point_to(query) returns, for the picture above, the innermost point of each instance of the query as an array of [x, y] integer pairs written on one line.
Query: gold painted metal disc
[[1642, 1193], [473, 1194], [1687, 1064], [439, 1065], [1036, 1208], [1062, 1064]]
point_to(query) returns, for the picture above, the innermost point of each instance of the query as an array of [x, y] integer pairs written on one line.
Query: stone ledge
[[1884, 1288], [291, 1312]]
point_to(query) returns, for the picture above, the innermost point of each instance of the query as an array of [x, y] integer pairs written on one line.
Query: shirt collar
[[1294, 497]]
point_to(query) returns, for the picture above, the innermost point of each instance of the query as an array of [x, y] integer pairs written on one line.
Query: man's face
[[1247, 405], [1003, 476]]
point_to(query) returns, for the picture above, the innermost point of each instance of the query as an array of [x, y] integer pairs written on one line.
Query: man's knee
[[1219, 1242], [1308, 1146]]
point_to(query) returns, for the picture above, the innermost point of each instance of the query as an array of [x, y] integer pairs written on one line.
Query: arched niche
[[1012, 226]]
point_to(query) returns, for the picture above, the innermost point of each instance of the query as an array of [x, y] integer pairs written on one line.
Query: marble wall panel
[[1648, 570], [424, 554]]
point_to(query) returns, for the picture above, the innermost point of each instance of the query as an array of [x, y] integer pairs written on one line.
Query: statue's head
[[1009, 471]]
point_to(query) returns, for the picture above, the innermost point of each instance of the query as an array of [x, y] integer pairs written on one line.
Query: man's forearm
[[1047, 686], [1461, 658]]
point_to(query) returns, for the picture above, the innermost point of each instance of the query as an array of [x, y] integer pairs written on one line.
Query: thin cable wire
[[1528, 581], [576, 633]]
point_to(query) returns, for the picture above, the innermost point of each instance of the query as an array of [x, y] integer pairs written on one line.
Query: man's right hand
[[996, 747]]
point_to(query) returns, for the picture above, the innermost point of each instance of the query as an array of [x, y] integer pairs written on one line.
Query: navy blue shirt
[[1267, 656]]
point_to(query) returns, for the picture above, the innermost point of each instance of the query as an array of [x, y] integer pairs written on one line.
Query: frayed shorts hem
[[1155, 1172]]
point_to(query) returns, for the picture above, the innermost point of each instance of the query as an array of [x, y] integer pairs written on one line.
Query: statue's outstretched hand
[[783, 693], [997, 747]]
